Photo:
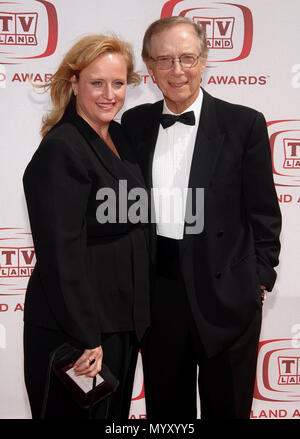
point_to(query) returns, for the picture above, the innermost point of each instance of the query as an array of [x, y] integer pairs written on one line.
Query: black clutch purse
[[86, 391]]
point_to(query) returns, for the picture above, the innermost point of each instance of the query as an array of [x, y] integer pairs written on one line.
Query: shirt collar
[[195, 107]]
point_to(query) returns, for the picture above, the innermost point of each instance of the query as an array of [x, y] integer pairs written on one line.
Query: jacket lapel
[[148, 142], [209, 142], [127, 167], [146, 149], [124, 169]]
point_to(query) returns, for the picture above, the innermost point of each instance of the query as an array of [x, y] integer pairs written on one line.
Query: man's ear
[[149, 65], [203, 66]]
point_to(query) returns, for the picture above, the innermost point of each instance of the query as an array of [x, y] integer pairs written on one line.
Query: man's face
[[180, 86]]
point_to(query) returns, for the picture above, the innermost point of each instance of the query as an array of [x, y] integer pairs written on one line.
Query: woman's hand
[[89, 363]]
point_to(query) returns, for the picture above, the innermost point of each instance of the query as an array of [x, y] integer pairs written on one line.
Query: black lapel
[[209, 141], [148, 141], [146, 147], [207, 148], [126, 153], [125, 169]]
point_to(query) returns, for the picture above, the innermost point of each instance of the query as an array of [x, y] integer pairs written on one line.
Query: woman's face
[[101, 89]]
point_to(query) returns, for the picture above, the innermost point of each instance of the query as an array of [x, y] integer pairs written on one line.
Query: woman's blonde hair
[[83, 53]]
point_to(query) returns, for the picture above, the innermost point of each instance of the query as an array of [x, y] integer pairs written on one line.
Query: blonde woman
[[90, 284]]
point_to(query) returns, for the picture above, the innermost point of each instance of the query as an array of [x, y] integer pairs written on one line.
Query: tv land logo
[[285, 148], [17, 261], [295, 82], [18, 29], [28, 30], [289, 370], [278, 371], [218, 31], [228, 26], [291, 153]]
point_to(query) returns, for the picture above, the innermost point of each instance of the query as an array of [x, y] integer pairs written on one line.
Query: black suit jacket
[[224, 266], [89, 277]]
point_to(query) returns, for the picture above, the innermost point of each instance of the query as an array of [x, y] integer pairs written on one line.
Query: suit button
[[220, 233], [218, 275]]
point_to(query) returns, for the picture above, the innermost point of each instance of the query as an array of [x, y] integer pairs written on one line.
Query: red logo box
[[285, 148], [228, 26], [27, 34], [278, 371], [17, 260]]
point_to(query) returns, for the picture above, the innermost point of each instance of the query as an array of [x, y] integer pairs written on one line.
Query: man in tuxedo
[[209, 284]]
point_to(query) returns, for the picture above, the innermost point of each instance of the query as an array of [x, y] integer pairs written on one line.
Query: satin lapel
[[209, 142], [146, 152], [148, 142]]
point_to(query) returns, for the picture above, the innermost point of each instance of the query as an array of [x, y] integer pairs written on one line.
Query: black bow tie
[[168, 120]]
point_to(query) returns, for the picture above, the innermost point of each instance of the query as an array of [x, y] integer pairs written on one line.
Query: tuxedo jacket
[[224, 266], [90, 277]]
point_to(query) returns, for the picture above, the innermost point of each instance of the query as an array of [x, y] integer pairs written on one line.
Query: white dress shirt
[[171, 170]]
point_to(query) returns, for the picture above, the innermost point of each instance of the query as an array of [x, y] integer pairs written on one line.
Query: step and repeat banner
[[254, 60]]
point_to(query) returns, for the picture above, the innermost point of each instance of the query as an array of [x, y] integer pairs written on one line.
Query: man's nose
[[177, 68]]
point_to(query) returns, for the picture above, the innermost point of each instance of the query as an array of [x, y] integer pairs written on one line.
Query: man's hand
[[263, 292]]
